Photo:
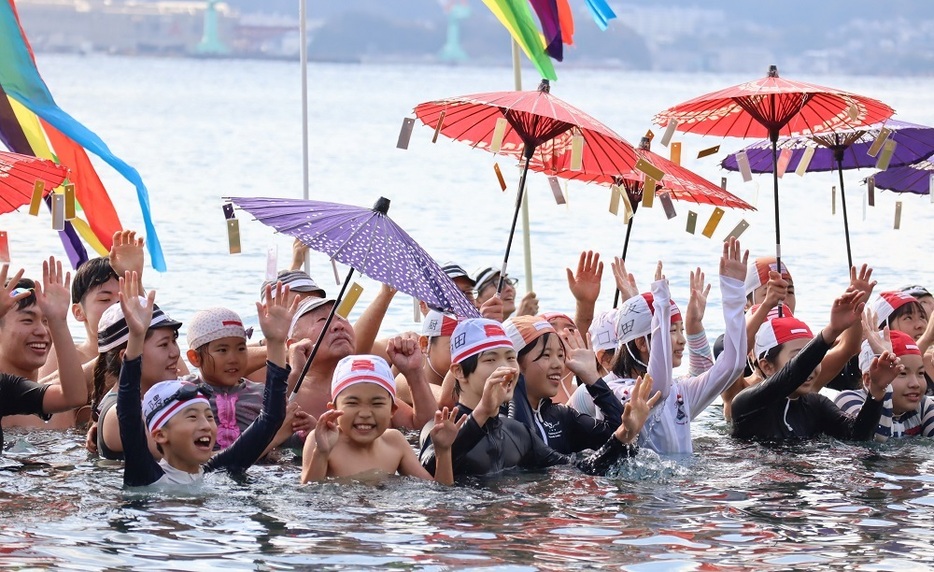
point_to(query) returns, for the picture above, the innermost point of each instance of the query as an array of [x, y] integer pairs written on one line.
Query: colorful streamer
[[29, 117], [601, 12], [516, 16]]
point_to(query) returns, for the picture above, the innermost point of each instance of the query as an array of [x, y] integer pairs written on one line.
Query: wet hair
[[625, 365], [93, 273], [542, 341], [30, 300], [468, 366], [906, 309]]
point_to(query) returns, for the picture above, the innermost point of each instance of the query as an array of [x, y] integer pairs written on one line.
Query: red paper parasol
[[18, 176]]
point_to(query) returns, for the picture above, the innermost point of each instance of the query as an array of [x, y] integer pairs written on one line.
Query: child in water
[[354, 436], [783, 406], [178, 415], [484, 365]]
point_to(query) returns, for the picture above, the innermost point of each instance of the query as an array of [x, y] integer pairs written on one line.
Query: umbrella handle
[[625, 251], [324, 331], [530, 150]]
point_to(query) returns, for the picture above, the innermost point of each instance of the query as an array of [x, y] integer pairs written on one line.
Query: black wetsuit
[[564, 429], [503, 443], [20, 396], [849, 378], [764, 411], [141, 469]]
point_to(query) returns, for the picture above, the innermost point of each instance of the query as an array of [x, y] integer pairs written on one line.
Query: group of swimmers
[[515, 389]]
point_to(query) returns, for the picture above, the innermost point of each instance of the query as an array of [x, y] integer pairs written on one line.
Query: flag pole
[[303, 51], [526, 238]]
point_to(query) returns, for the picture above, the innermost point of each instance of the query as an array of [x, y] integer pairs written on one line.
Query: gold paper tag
[[665, 199], [36, 201], [737, 230], [709, 151], [676, 152], [871, 191], [669, 132], [628, 211], [805, 161], [347, 304], [577, 152], [692, 222], [742, 160], [615, 193], [434, 138], [233, 236], [879, 142], [58, 211], [649, 134], [4, 247], [405, 134], [556, 190], [498, 132], [898, 215], [499, 176], [648, 192], [712, 223], [649, 169], [885, 157], [69, 201]]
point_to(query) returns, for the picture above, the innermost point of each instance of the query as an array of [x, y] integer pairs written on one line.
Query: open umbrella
[[18, 176], [915, 178], [366, 240], [536, 126], [772, 107], [845, 149]]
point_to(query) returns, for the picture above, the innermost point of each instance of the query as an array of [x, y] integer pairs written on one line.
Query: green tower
[[452, 51], [211, 44]]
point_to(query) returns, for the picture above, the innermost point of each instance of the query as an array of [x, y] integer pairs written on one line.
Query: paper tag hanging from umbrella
[[737, 230], [649, 170], [931, 187], [885, 157], [36, 202], [4, 247], [669, 132], [871, 191], [272, 263], [898, 215], [712, 222], [783, 159], [665, 199], [707, 152], [648, 192], [692, 222], [350, 300], [676, 152], [499, 176], [615, 194], [498, 132], [577, 151], [833, 200], [879, 142], [805, 161], [69, 201], [742, 160], [233, 229], [556, 190], [628, 209], [405, 134], [434, 138]]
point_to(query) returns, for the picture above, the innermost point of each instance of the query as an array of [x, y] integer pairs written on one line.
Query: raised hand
[[879, 341], [299, 250], [882, 371], [445, 429], [8, 298], [327, 432], [697, 301], [578, 357], [302, 421], [404, 353], [54, 296], [275, 313], [492, 309], [127, 254], [862, 279], [658, 272], [637, 409], [528, 306], [625, 282], [776, 290], [498, 389], [585, 283], [733, 262], [137, 313], [846, 311]]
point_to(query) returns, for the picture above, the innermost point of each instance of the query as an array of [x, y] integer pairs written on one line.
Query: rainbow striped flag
[[32, 123]]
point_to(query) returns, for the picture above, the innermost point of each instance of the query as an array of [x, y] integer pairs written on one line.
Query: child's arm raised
[[140, 468], [318, 446], [405, 354], [443, 434], [275, 317]]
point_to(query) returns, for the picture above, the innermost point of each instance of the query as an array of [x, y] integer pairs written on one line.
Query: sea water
[[199, 130]]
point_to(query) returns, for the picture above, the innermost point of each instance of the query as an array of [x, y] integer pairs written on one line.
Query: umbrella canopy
[[531, 126], [18, 176], [913, 142], [367, 240], [914, 178], [772, 107]]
